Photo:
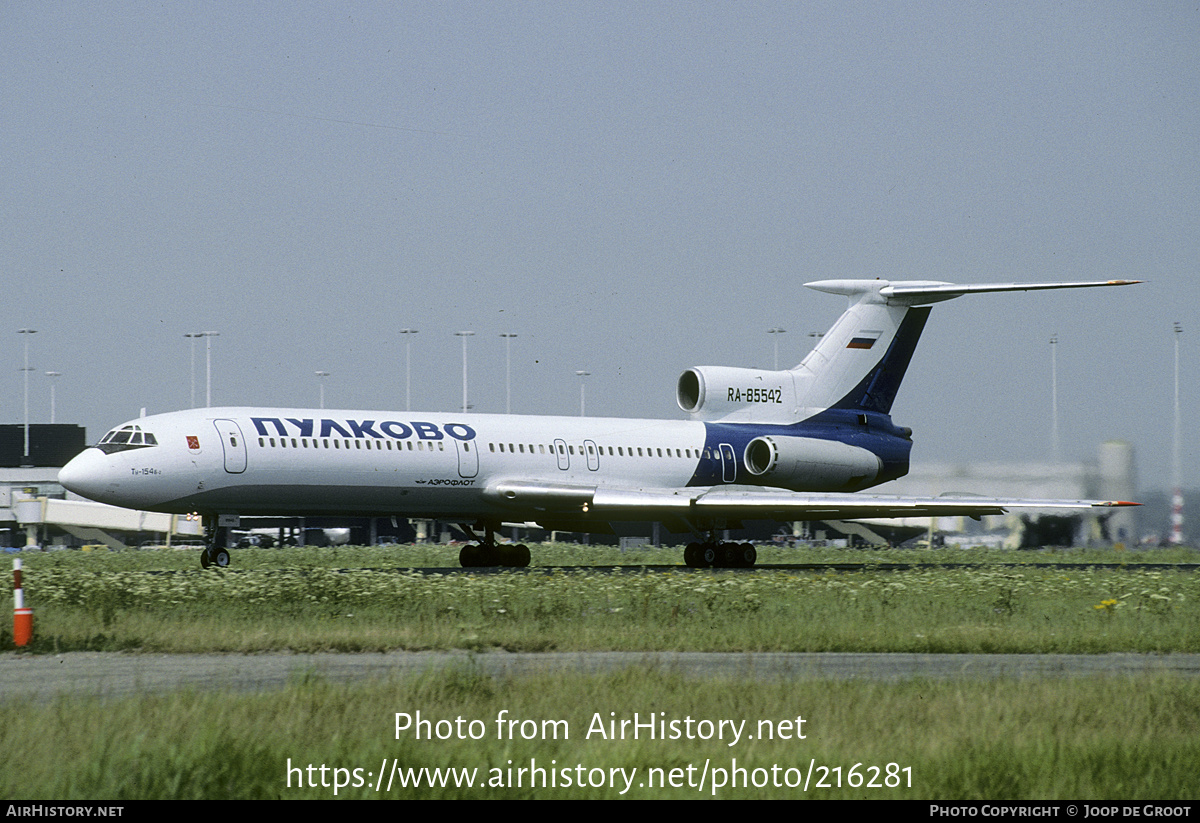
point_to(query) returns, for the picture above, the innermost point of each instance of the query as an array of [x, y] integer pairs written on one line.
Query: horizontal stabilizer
[[918, 292]]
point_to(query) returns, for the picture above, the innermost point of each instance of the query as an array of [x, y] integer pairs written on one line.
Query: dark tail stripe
[[877, 390]]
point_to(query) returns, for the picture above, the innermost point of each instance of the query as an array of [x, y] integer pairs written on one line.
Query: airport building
[[1111, 476], [36, 512]]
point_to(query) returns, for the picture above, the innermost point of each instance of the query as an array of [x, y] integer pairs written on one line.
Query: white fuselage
[[303, 461]]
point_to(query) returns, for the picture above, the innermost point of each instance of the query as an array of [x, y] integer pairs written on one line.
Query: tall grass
[[1108, 738], [358, 600]]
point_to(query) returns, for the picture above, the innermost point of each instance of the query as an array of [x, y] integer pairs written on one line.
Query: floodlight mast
[[25, 461], [1177, 458], [464, 335], [582, 374], [408, 333], [508, 338], [321, 375]]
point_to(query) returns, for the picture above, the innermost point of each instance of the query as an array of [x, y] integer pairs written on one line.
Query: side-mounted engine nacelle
[[737, 395], [810, 464]]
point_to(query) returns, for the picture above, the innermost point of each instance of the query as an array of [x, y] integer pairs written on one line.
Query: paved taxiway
[[117, 674]]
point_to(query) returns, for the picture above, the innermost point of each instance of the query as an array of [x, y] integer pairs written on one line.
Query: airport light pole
[[1054, 398], [1177, 459], [408, 333], [52, 375], [508, 372], [321, 375], [582, 375], [208, 336], [26, 369], [192, 360], [775, 332], [464, 335]]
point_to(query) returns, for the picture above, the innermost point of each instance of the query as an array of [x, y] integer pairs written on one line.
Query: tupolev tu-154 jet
[[794, 444]]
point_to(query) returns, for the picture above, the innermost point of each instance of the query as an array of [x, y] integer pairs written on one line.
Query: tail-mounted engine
[[738, 395], [810, 464]]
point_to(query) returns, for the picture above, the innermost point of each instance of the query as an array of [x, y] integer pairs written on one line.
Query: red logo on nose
[[193, 442]]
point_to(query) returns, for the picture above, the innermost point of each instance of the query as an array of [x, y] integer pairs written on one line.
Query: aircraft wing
[[699, 503]]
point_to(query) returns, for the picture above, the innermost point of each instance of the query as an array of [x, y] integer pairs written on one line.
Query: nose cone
[[86, 474]]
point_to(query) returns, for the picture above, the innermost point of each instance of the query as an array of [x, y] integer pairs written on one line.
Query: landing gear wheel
[[730, 555], [691, 555], [749, 556], [521, 558], [470, 556], [214, 557]]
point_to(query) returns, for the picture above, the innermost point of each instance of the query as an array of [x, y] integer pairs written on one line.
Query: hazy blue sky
[[632, 188]]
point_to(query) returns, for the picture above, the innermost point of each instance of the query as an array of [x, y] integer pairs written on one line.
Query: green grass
[[1107, 738], [354, 599], [1104, 738]]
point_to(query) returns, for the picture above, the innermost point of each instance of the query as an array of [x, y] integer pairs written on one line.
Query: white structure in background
[[1111, 477], [32, 501]]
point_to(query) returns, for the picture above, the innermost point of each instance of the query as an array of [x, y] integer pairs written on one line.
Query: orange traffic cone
[[22, 617]]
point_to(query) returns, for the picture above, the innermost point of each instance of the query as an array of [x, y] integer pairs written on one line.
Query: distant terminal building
[[1112, 476], [50, 444]]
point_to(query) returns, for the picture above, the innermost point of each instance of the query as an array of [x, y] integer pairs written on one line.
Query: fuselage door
[[593, 455], [233, 444], [728, 464], [564, 460], [468, 458]]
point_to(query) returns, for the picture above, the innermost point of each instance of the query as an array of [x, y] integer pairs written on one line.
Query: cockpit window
[[125, 438]]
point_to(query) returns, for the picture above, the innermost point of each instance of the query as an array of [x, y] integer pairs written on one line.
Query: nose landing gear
[[214, 552]]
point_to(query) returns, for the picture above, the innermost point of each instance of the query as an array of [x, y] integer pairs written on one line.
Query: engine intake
[[811, 464], [727, 393]]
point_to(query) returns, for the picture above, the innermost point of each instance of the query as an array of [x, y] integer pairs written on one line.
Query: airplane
[[790, 445]]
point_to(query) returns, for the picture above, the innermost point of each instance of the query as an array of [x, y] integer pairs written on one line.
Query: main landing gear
[[719, 555], [214, 552], [489, 553]]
